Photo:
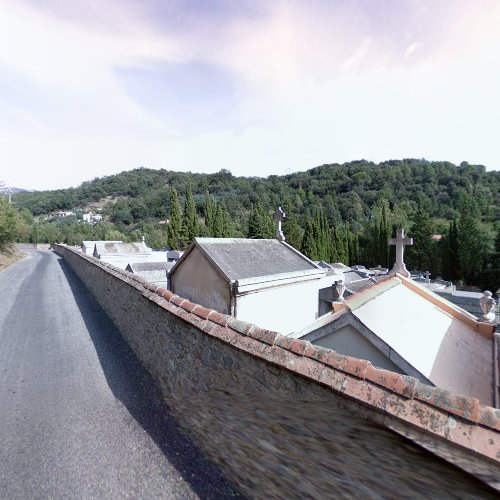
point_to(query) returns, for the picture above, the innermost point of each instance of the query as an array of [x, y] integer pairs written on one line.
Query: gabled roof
[[444, 343], [138, 267], [242, 258], [103, 248]]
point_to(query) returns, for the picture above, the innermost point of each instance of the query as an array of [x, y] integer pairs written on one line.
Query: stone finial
[[279, 216], [400, 242], [487, 303], [340, 289]]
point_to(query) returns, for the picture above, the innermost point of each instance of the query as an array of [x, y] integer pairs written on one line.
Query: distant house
[[91, 218], [62, 213], [401, 326], [266, 282]]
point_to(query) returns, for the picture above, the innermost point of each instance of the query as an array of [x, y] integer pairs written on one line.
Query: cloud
[[258, 87]]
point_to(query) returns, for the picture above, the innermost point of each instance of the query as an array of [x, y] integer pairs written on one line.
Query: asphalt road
[[79, 415]]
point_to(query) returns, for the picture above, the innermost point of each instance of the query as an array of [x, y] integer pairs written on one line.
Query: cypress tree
[[209, 214], [175, 225], [190, 227], [449, 253], [260, 224], [470, 251], [308, 246], [291, 228], [222, 222], [420, 254], [322, 236], [354, 254], [383, 233]]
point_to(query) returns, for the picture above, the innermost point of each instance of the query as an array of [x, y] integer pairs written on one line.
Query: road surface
[[79, 415]]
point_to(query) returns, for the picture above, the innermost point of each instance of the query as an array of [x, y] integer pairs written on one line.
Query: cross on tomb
[[427, 276], [279, 216], [400, 242]]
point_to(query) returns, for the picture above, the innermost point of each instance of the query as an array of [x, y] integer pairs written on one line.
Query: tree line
[[334, 212]]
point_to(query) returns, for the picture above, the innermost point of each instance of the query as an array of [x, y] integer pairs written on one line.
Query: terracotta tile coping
[[357, 300], [459, 419]]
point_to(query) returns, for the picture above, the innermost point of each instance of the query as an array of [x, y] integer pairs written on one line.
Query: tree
[[260, 224], [190, 228], [210, 208], [470, 248], [308, 246], [383, 236], [291, 227], [175, 225], [322, 236], [449, 254], [222, 222], [420, 254], [353, 247], [121, 213], [8, 222]]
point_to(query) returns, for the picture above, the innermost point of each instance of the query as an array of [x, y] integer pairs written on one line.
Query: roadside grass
[[9, 255]]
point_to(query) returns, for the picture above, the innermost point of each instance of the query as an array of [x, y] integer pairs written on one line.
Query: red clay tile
[[394, 381], [166, 294], [202, 312], [176, 300], [266, 336], [218, 318]]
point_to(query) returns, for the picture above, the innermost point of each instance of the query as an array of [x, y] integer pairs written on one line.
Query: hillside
[[347, 192], [338, 213]]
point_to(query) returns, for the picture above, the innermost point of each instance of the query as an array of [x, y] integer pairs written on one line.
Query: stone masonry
[[285, 419]]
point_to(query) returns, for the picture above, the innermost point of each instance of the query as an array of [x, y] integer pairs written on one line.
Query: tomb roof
[[103, 248], [444, 343], [138, 267], [242, 258]]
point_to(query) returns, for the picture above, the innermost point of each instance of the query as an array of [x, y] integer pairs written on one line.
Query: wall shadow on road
[[132, 384]]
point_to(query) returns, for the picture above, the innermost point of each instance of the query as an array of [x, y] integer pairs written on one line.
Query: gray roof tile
[[240, 258]]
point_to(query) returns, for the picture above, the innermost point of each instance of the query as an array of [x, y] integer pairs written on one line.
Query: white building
[[122, 254], [266, 282], [91, 218], [404, 327]]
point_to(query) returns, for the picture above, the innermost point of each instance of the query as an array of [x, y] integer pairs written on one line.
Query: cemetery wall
[[286, 419]]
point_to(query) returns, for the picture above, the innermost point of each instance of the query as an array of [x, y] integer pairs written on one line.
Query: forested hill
[[347, 192], [338, 213]]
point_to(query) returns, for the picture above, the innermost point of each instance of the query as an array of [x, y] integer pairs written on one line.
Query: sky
[[91, 88]]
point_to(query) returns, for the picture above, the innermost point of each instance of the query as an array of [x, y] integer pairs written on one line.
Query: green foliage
[[470, 241], [222, 223], [9, 223], [420, 256], [190, 226], [450, 266], [175, 226], [309, 246], [260, 223], [362, 202], [291, 227]]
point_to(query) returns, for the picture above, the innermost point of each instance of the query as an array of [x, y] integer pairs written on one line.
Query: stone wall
[[285, 419]]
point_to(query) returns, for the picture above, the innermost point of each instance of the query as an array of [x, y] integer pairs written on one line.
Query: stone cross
[[279, 215], [427, 276], [400, 242]]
